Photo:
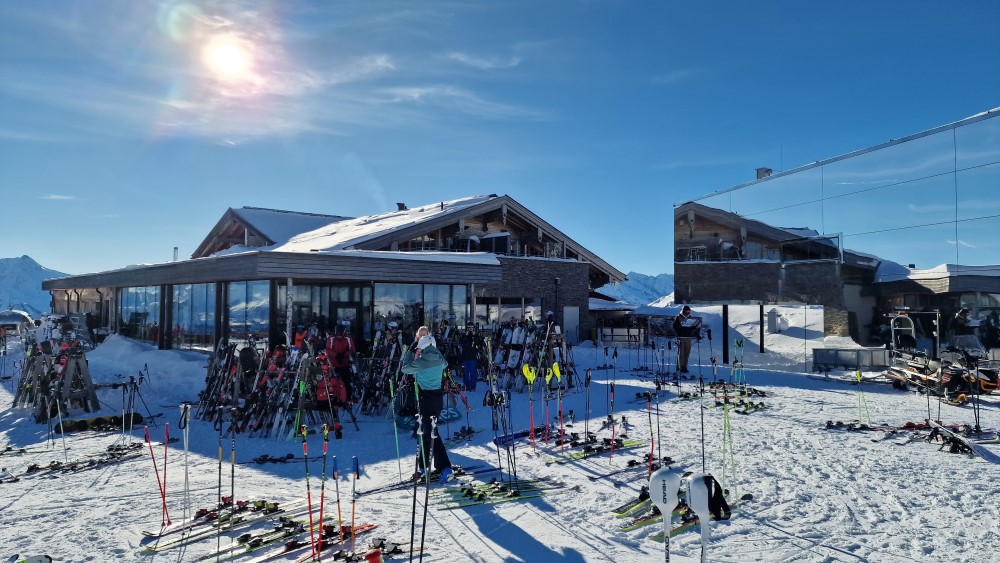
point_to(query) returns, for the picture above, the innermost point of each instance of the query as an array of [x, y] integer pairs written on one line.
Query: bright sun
[[228, 57]]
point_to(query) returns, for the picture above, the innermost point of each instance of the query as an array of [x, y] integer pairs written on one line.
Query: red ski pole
[[159, 484], [322, 493]]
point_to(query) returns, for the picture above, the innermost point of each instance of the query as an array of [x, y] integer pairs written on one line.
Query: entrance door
[[571, 324], [346, 314]]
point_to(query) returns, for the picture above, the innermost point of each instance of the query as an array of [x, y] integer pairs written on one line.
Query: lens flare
[[178, 21], [228, 57]]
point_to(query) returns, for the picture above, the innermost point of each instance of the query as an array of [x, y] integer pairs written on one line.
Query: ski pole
[[701, 405], [511, 446], [427, 491], [659, 444], [322, 491], [356, 472], [559, 405], [185, 414], [166, 442], [548, 390], [305, 456], [164, 516], [392, 407], [232, 463], [529, 376], [611, 418], [420, 455], [652, 443], [63, 434], [336, 481], [218, 531], [586, 419]]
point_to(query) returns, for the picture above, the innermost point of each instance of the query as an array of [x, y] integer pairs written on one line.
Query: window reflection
[[194, 316], [249, 307], [139, 312], [927, 201]]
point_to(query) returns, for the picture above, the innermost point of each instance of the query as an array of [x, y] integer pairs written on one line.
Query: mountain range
[[21, 285], [641, 289]]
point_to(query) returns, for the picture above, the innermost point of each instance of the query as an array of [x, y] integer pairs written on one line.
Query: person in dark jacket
[[471, 345], [424, 361], [686, 330]]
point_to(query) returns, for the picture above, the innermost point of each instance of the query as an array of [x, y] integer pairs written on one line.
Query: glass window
[[249, 307], [511, 309], [140, 312], [487, 313], [437, 304], [194, 316], [401, 302], [459, 305], [533, 310]]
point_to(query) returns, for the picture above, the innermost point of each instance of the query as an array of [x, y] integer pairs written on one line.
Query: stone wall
[[535, 277]]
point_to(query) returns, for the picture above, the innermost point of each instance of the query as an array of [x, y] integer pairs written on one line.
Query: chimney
[[763, 172], [175, 254], [400, 206]]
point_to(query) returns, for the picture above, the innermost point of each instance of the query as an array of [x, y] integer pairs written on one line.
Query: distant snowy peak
[[21, 285], [641, 289]]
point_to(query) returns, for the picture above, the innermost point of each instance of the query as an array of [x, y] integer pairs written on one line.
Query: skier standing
[[471, 345], [424, 361], [686, 330]]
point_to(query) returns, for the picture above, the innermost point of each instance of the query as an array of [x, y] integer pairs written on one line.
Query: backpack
[[406, 400], [332, 389]]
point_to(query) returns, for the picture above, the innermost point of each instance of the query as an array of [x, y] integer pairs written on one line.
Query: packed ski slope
[[818, 494]]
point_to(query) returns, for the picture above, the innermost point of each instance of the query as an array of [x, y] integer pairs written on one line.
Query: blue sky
[[127, 128]]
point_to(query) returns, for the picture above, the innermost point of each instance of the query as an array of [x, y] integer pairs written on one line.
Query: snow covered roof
[[954, 270], [946, 278], [596, 304], [279, 226], [658, 311], [259, 227], [890, 271], [15, 315], [350, 232]]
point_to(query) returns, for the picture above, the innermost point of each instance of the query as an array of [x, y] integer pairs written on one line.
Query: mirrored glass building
[[911, 222]]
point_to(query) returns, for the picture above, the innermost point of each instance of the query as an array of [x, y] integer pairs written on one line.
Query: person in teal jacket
[[426, 363]]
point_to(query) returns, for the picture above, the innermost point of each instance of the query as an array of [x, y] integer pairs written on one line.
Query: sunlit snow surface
[[819, 495]]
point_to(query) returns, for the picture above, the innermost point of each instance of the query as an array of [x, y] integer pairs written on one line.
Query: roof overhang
[[334, 266]]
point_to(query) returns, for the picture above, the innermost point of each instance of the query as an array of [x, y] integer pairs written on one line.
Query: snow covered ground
[[819, 495]]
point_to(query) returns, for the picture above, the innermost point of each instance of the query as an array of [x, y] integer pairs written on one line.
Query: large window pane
[[249, 306], [140, 309], [399, 302]]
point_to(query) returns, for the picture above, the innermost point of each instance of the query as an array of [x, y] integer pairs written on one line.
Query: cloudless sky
[[129, 127]]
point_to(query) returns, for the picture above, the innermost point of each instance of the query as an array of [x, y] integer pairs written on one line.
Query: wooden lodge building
[[482, 259]]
